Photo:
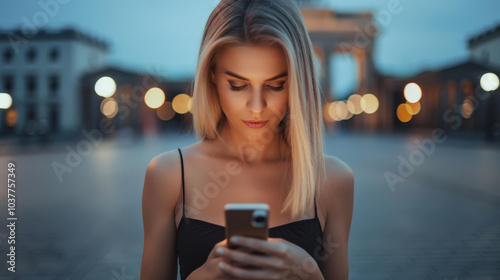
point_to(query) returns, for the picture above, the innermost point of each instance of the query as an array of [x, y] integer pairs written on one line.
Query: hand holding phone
[[246, 219]]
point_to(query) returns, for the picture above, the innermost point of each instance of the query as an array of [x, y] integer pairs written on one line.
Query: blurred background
[[91, 91]]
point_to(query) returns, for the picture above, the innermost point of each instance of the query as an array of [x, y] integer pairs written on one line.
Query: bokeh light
[[354, 104], [165, 112], [332, 111], [11, 117], [489, 82], [154, 97], [467, 108], [109, 107], [369, 103], [412, 92], [326, 113], [105, 87], [5, 101], [182, 103], [404, 112], [415, 107], [349, 114], [341, 110]]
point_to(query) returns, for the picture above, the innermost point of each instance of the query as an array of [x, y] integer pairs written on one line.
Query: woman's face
[[252, 86]]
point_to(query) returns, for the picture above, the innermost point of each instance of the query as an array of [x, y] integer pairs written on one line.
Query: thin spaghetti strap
[[315, 211], [182, 168]]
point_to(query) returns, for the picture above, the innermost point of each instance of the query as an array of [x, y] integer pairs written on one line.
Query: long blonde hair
[[269, 22]]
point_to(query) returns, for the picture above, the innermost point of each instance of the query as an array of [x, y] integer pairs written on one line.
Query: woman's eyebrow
[[284, 74]]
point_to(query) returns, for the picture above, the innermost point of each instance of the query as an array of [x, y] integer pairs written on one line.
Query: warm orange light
[[182, 103], [341, 110], [11, 117], [165, 112], [326, 114], [415, 107], [354, 104], [369, 103], [404, 112], [467, 108], [109, 107], [331, 111]]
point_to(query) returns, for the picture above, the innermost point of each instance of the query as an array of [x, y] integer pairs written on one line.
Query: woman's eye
[[280, 88], [233, 88]]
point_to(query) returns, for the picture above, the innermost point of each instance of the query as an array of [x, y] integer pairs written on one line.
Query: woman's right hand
[[211, 270]]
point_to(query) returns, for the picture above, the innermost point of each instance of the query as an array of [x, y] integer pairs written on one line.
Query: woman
[[257, 109]]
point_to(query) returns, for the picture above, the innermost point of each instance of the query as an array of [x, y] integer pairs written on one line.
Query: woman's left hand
[[256, 257]]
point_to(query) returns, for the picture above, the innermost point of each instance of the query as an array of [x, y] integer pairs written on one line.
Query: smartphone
[[246, 219]]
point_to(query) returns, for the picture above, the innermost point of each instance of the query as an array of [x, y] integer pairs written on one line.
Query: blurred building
[[347, 33], [452, 99], [115, 101], [456, 97], [54, 80], [485, 47], [41, 73], [352, 35]]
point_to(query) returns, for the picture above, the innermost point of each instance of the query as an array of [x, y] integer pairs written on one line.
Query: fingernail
[[221, 265], [234, 239], [220, 251]]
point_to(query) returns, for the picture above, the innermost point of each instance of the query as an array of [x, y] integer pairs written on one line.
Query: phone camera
[[259, 218]]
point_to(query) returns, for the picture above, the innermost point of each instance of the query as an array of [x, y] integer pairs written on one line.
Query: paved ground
[[441, 222]]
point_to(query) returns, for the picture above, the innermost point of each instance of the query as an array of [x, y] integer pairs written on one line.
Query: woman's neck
[[252, 149]]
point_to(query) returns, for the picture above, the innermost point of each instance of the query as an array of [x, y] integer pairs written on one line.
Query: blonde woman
[[257, 109]]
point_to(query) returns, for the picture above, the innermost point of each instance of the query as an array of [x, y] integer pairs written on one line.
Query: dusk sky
[[166, 34]]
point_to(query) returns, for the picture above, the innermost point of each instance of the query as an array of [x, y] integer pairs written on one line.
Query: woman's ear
[[212, 75]]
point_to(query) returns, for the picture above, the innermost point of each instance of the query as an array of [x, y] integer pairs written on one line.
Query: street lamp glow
[[154, 97], [341, 110], [105, 87], [489, 82], [165, 112], [404, 112], [415, 107], [412, 92], [5, 101], [11, 117], [109, 107], [354, 104], [326, 113], [467, 108], [182, 103], [369, 103], [332, 107]]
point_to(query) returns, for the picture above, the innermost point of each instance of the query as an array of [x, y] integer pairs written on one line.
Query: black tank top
[[196, 238]]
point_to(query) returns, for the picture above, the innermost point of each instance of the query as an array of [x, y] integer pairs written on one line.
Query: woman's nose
[[257, 102]]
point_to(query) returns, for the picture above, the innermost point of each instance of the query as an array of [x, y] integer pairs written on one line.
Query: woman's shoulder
[[165, 160], [336, 166], [170, 161], [339, 174], [163, 172]]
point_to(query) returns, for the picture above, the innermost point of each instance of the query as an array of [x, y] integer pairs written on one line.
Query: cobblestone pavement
[[439, 222]]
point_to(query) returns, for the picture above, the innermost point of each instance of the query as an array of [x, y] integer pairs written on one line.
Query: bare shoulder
[[339, 174], [165, 159], [163, 173], [338, 192], [161, 189], [337, 200], [164, 170]]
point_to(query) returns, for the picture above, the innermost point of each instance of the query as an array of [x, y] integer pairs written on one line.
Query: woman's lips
[[255, 124]]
